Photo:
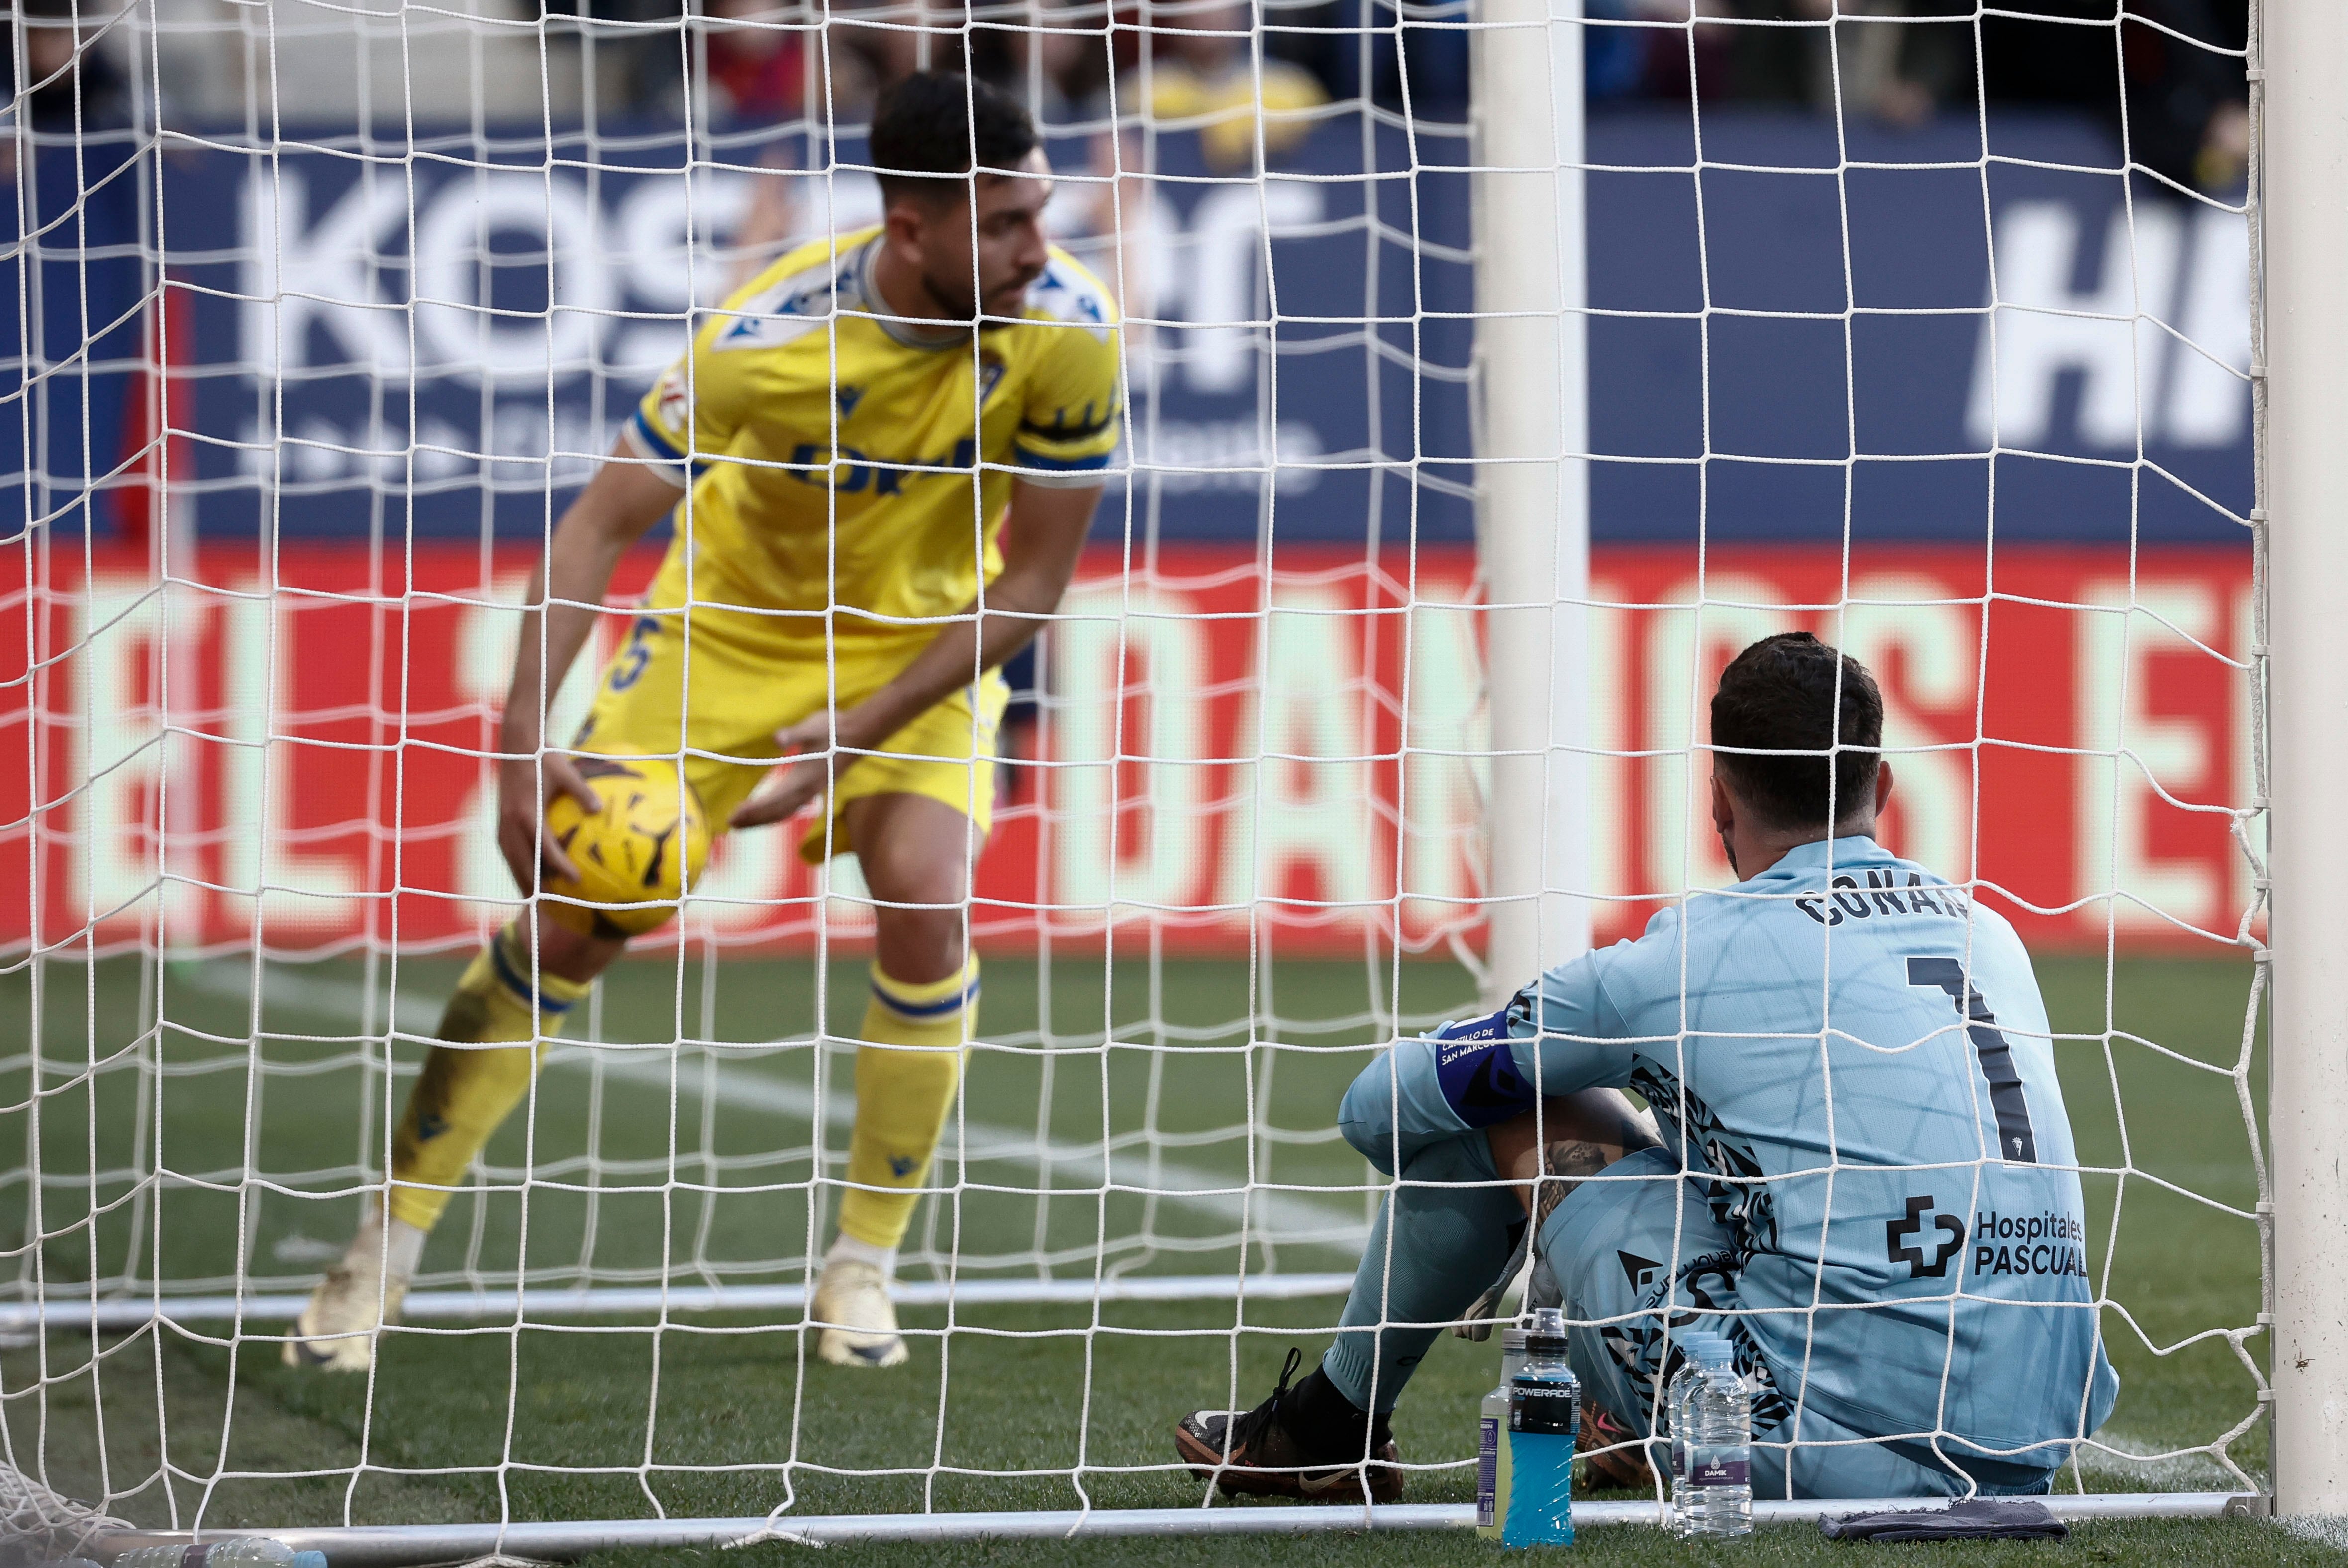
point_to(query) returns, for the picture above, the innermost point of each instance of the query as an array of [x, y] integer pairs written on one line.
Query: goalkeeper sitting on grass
[[1864, 1179]]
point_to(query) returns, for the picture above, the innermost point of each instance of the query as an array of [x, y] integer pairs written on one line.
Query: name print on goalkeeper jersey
[[832, 452], [1843, 1051]]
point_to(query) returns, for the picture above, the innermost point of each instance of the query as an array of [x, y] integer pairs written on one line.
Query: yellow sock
[[902, 1097], [463, 1095]]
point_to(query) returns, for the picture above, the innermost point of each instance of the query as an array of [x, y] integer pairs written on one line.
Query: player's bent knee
[[1365, 1120], [919, 874], [913, 849], [919, 947], [1450, 1161]]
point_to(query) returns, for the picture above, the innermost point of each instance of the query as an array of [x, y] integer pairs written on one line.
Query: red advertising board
[[288, 748]]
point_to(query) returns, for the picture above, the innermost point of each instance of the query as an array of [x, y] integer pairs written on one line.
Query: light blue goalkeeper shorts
[[1606, 1244]]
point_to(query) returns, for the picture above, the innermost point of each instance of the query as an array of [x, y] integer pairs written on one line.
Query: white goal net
[[320, 318]]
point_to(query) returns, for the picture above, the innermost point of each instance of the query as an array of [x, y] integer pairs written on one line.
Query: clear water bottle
[[1692, 1347], [1717, 1424], [1544, 1419], [238, 1551], [1492, 1440]]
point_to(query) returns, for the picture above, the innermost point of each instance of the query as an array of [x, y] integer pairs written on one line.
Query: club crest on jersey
[[675, 400], [990, 377], [787, 310], [848, 397]]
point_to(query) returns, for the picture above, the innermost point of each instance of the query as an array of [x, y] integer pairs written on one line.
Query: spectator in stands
[[1205, 71], [2186, 119], [1366, 49], [1051, 57], [1864, 58], [1614, 53], [1886, 60], [2174, 84], [758, 58], [65, 77]]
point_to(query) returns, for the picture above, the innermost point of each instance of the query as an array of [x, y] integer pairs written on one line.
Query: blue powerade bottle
[[1544, 1419]]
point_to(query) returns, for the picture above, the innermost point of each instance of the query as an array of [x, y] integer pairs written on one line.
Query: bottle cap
[[1546, 1336], [1716, 1350], [309, 1559], [1512, 1341]]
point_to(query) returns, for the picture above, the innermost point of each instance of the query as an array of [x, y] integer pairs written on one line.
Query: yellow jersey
[[1225, 105], [848, 470]]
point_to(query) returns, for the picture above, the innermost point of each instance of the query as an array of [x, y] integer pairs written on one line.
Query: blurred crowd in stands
[[1216, 64], [1895, 61]]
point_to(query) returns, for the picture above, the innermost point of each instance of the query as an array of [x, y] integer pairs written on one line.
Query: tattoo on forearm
[[1565, 1164]]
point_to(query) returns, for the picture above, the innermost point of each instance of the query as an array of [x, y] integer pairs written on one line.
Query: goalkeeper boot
[[1308, 1442], [859, 1321], [336, 1330]]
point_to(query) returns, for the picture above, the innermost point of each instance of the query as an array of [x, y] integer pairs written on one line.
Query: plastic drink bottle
[[1705, 1350], [238, 1551], [1718, 1422], [1692, 1349], [1544, 1419], [1492, 1440]]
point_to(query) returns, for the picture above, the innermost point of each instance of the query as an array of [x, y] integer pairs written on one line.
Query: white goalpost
[[1491, 377], [1533, 499], [2302, 243]]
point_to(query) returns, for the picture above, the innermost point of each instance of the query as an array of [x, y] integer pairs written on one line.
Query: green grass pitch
[[643, 1166]]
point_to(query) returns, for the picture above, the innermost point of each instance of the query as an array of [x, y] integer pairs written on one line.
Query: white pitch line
[[114, 1315], [1290, 1217]]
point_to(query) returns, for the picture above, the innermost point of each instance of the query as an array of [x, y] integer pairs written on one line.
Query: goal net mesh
[[320, 317]]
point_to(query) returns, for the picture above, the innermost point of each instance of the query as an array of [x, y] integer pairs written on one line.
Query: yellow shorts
[[741, 693]]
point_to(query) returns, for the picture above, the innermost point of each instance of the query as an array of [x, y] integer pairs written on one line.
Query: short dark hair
[[1781, 695], [931, 132]]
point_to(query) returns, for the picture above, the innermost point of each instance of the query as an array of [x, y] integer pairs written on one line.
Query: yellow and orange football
[[636, 855]]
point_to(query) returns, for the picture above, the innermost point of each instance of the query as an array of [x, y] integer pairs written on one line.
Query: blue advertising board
[[1791, 337], [1801, 336]]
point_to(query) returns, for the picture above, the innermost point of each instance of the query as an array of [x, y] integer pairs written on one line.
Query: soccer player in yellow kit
[[868, 431]]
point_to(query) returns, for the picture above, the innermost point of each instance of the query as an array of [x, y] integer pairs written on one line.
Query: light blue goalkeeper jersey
[[1851, 1060]]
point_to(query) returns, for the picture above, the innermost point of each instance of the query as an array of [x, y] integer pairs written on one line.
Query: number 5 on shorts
[[629, 667]]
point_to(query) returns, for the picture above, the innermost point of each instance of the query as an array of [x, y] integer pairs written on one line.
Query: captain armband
[[1475, 1068]]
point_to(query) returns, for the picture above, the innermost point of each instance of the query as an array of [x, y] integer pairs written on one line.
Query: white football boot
[[851, 1300], [336, 1330]]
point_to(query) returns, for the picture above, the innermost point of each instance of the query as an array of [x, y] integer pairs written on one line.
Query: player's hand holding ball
[[637, 848], [527, 779]]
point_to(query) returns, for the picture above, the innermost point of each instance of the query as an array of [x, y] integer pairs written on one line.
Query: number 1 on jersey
[[2016, 1142]]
